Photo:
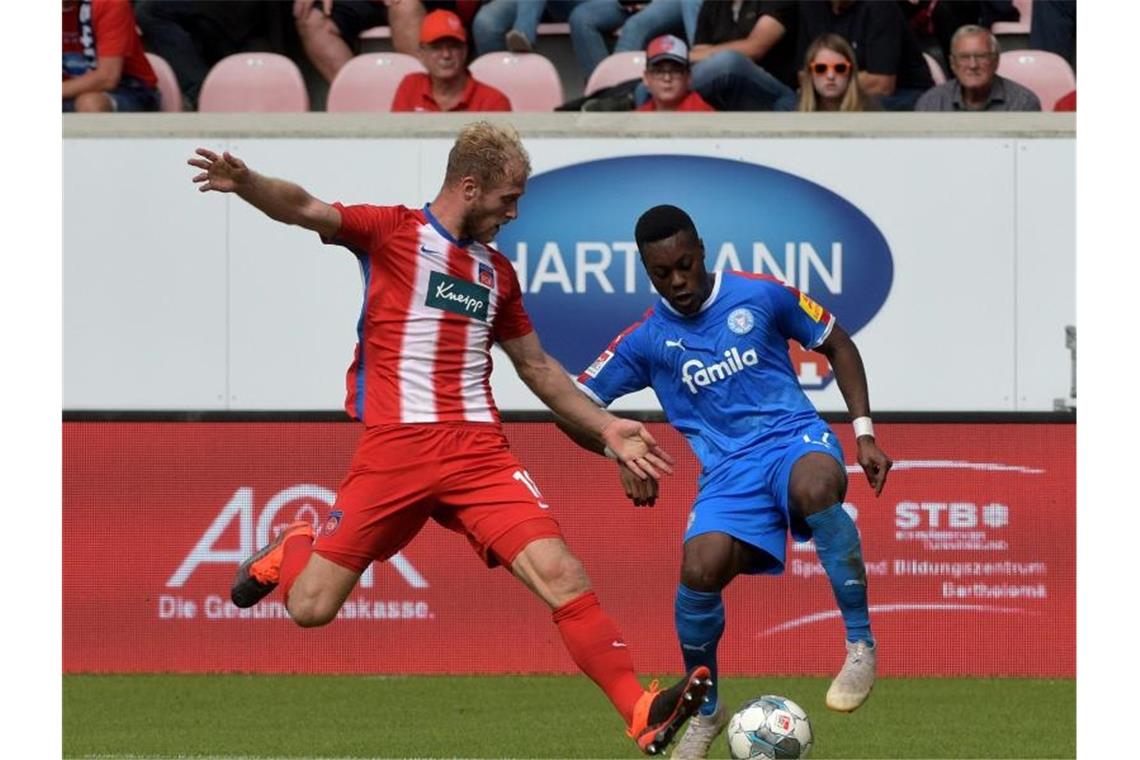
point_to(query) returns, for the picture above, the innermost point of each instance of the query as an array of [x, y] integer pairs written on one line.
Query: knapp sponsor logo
[[581, 275]]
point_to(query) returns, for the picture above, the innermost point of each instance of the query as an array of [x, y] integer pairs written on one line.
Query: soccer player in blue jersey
[[715, 351]]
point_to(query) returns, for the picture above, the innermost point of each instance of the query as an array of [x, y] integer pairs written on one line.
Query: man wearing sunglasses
[[668, 78], [976, 86]]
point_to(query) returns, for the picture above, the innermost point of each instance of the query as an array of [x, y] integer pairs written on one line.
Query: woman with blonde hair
[[830, 78]]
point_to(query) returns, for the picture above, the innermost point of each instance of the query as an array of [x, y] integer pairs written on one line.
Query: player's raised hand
[[643, 493], [633, 446], [225, 173], [874, 462]]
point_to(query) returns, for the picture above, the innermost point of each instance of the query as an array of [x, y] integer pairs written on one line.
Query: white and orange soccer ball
[[769, 727]]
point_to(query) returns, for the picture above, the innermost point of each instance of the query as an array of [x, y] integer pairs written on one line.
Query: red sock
[[590, 637], [296, 555]]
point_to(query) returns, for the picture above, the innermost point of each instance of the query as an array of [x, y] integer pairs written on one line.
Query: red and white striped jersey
[[432, 307]]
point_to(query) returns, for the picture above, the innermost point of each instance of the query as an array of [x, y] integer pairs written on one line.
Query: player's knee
[[701, 576], [311, 610], [816, 494], [565, 576]]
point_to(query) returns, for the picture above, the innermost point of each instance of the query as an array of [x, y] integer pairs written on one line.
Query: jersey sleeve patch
[[599, 363], [811, 308]]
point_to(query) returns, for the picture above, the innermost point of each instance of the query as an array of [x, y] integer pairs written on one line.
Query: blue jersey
[[722, 375]]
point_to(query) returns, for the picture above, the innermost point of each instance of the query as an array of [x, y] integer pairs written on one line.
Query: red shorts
[[461, 475]]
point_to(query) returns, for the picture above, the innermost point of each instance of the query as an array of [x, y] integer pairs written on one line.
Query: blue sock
[[699, 618], [837, 545]]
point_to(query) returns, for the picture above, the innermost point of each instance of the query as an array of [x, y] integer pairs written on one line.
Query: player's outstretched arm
[[630, 442], [642, 492], [847, 364], [276, 198]]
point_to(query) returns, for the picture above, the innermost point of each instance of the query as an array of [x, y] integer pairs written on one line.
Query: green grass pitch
[[239, 716]]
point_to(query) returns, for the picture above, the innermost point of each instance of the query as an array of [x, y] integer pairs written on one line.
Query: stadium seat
[[615, 69], [260, 82], [530, 81], [1021, 26], [170, 94], [936, 72], [368, 82], [1047, 74]]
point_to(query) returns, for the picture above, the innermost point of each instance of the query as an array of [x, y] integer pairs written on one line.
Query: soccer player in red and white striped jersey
[[436, 296]]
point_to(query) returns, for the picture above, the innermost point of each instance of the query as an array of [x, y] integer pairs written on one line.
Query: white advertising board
[[950, 260]]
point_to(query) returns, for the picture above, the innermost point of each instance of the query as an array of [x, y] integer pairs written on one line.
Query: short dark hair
[[661, 222]]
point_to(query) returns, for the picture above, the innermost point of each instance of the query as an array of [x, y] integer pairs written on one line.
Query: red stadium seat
[[170, 94], [530, 81], [1047, 74], [368, 82], [615, 69], [258, 82], [1022, 25], [936, 72]]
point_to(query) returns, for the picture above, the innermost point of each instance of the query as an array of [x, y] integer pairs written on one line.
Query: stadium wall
[[947, 246], [970, 554], [955, 268]]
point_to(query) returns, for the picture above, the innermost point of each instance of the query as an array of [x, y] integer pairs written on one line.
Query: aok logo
[[574, 250], [303, 500], [694, 373]]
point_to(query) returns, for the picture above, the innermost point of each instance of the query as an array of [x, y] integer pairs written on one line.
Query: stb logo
[[694, 373]]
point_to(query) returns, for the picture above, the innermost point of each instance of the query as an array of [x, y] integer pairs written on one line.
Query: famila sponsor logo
[[695, 375]]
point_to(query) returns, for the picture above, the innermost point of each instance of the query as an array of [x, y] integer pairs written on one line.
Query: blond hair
[[854, 99], [488, 152]]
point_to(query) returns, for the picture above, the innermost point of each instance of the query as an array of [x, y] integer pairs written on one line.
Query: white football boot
[[853, 684], [700, 734]]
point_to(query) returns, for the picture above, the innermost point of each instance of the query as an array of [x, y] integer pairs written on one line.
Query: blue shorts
[[747, 497], [130, 95]]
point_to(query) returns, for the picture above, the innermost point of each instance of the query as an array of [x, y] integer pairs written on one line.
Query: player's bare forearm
[[549, 381], [278, 199], [289, 203], [850, 375], [579, 436]]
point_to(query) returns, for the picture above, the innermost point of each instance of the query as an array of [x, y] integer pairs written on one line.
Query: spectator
[[330, 29], [193, 35], [667, 77], [934, 22], [890, 62], [447, 85], [731, 41], [1066, 102], [974, 52], [593, 23], [513, 24], [104, 65], [1054, 28], [830, 79]]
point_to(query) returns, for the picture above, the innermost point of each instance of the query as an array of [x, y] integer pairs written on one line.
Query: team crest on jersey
[[813, 310], [487, 276], [331, 523], [600, 362], [740, 321]]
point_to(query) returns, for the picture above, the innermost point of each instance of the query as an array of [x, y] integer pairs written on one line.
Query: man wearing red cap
[[668, 79], [447, 85]]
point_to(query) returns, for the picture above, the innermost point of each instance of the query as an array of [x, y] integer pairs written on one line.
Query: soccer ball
[[769, 727]]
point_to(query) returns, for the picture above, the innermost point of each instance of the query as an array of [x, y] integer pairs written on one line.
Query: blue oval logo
[[582, 278]]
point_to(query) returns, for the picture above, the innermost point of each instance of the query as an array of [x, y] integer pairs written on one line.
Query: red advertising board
[[971, 558]]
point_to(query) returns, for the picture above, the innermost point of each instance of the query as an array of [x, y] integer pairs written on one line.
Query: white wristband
[[610, 453], [863, 427]]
